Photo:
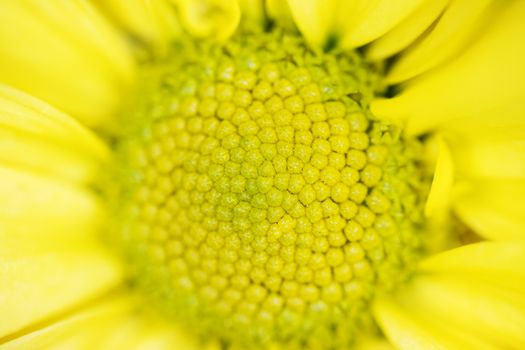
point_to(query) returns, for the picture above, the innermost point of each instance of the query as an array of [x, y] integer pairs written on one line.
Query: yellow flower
[[262, 174]]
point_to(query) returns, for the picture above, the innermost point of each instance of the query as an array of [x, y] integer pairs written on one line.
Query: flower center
[[259, 200]]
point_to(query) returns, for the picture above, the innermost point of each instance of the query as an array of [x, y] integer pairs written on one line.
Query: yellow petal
[[55, 334], [112, 323], [40, 156], [350, 23], [154, 22], [315, 19], [41, 278], [36, 136], [494, 209], [128, 332], [492, 314], [24, 113], [475, 293], [489, 154], [366, 20], [485, 82], [253, 9], [408, 330], [141, 330], [472, 296], [215, 19], [280, 12], [403, 331], [69, 56], [456, 26], [406, 32], [439, 196], [500, 263], [155, 335], [38, 206]]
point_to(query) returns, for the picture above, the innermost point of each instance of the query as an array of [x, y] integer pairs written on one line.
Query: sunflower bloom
[[248, 174]]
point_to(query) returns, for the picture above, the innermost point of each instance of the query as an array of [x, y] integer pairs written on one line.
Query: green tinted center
[[260, 201]]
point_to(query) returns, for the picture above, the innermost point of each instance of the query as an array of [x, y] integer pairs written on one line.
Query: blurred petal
[[93, 319], [484, 83], [439, 196], [315, 19], [479, 309], [494, 209], [407, 31], [143, 333], [469, 297], [253, 9], [408, 330], [501, 263], [451, 34], [402, 330], [489, 153], [27, 152], [65, 53], [114, 323], [154, 22], [280, 12], [365, 20], [351, 23], [39, 206], [40, 278], [38, 137], [215, 19]]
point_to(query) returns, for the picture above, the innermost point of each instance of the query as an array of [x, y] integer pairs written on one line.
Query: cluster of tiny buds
[[265, 200]]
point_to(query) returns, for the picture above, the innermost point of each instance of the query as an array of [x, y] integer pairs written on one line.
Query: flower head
[[255, 174]]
